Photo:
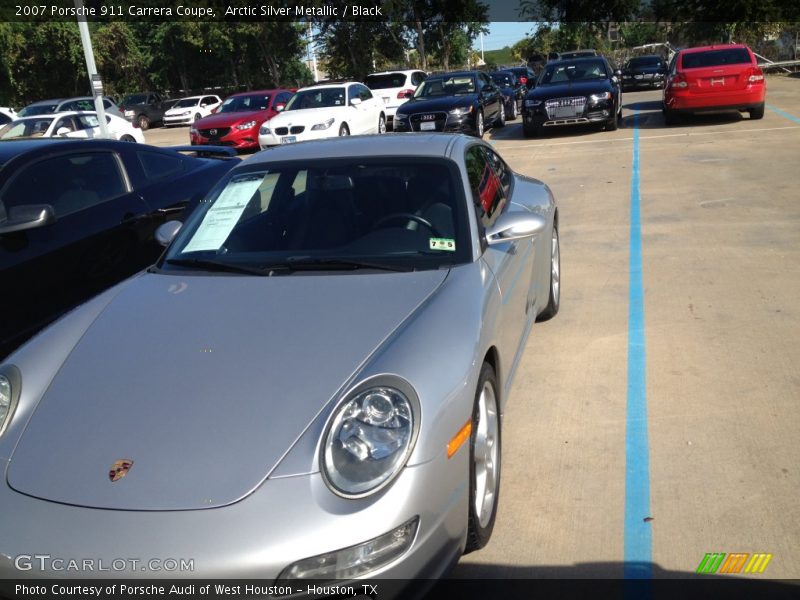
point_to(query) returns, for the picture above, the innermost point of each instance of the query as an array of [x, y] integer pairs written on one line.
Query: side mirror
[[62, 131], [203, 105], [618, 73], [166, 232], [514, 226], [279, 107], [355, 101], [29, 216]]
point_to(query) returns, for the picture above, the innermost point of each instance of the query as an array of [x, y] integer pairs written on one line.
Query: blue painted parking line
[[638, 534], [783, 113]]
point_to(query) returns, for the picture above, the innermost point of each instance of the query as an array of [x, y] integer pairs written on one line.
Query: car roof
[[712, 47], [321, 86], [364, 146], [251, 92], [455, 74], [406, 71], [51, 101]]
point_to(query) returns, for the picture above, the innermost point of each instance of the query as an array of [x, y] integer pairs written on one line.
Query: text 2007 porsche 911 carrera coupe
[[310, 382]]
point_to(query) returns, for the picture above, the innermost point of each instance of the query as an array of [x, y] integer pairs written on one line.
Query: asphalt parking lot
[[661, 443]]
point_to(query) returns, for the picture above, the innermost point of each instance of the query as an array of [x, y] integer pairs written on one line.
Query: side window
[[106, 103], [68, 183], [89, 121], [64, 122], [209, 100], [364, 93], [157, 166], [283, 98], [502, 170], [352, 92], [487, 191], [417, 78]]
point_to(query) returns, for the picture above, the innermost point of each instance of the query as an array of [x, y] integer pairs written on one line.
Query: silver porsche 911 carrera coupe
[[309, 384]]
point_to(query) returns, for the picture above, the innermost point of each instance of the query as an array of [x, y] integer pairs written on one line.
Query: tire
[[344, 130], [757, 112], [484, 461], [612, 123], [513, 114], [501, 117], [670, 118], [127, 138], [479, 127], [382, 124], [554, 298], [144, 122]]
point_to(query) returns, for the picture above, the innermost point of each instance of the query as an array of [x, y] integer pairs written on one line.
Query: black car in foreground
[[644, 72], [578, 91], [513, 92], [461, 102], [77, 216]]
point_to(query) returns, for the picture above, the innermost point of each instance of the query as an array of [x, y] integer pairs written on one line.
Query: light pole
[[94, 78]]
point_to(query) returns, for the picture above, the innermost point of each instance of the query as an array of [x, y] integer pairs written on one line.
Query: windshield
[[134, 99], [382, 82], [446, 86], [398, 212], [38, 109], [25, 128], [244, 103], [317, 98], [186, 102], [644, 61], [503, 80], [568, 71]]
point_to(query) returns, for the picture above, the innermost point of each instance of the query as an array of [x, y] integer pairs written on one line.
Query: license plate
[[566, 112], [288, 139], [427, 126]]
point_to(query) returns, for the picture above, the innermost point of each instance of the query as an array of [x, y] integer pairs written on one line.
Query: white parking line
[[508, 148]]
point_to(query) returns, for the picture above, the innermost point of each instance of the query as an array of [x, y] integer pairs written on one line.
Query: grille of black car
[[438, 119], [213, 132], [565, 107]]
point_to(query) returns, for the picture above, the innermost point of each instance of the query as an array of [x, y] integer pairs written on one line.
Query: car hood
[[177, 111], [416, 106], [575, 88], [203, 383], [234, 118], [307, 116]]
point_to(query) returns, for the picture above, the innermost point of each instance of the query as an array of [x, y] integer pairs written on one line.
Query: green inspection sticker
[[443, 244]]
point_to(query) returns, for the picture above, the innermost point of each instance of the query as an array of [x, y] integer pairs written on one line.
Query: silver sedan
[[309, 384]]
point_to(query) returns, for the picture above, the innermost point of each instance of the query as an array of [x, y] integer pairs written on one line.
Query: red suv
[[714, 78], [238, 118]]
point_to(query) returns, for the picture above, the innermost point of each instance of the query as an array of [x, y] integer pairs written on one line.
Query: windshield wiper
[[308, 263], [214, 265]]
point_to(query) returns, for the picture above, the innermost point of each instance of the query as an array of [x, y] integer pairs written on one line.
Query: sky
[[503, 33]]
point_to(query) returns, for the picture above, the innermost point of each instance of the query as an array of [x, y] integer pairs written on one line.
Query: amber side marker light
[[462, 436]]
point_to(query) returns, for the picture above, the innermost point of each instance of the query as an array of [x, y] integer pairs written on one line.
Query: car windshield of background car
[[644, 61], [319, 98], [186, 103], [26, 128], [450, 86], [399, 211], [716, 58], [504, 81], [564, 72], [135, 99]]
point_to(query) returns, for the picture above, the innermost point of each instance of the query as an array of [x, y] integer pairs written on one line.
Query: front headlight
[[597, 98], [248, 125], [532, 103], [192, 131], [9, 392], [264, 130], [368, 441], [322, 126], [460, 112], [400, 117]]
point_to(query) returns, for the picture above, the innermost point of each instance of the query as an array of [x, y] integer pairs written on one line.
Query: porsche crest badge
[[119, 469]]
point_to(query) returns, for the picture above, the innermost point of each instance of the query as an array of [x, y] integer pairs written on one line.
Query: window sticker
[[443, 244], [222, 217]]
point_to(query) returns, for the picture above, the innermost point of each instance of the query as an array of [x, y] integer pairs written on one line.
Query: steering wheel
[[408, 217]]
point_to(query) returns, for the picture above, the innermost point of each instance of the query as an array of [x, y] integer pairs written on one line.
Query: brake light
[[402, 94], [679, 81], [756, 75], [523, 80], [135, 123]]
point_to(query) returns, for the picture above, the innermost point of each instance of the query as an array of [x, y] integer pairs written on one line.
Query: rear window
[[382, 82], [716, 58]]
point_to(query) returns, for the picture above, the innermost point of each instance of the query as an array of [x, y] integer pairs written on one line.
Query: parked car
[[513, 92], [145, 109], [462, 101], [237, 120], [393, 88], [7, 114], [525, 75], [644, 72], [357, 256], [578, 91], [78, 125], [322, 111], [188, 110], [80, 103], [78, 216], [714, 79]]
